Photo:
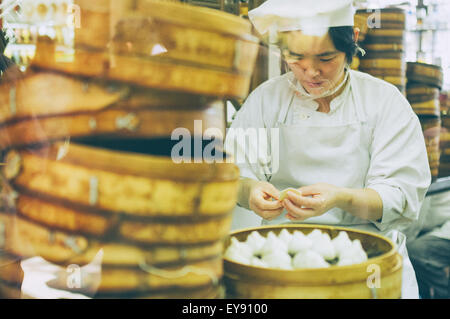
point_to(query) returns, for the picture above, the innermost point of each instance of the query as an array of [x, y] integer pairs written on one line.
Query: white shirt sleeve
[[242, 137], [399, 169]]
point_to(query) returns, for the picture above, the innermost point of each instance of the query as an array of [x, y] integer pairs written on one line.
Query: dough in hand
[[283, 193]]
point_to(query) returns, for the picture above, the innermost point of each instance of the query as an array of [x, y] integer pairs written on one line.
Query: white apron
[[337, 155]]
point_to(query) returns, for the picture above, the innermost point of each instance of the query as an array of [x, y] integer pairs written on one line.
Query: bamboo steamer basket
[[390, 18], [424, 99], [384, 72], [10, 266], [395, 64], [150, 279], [208, 292], [48, 107], [169, 75], [164, 45], [444, 101], [427, 74], [106, 13], [11, 275], [27, 237], [94, 23], [431, 127], [444, 166], [248, 282], [384, 47], [385, 36], [145, 185]]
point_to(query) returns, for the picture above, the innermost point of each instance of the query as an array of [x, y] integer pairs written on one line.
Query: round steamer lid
[[424, 65], [194, 16]]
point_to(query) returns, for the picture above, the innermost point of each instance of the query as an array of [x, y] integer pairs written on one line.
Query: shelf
[[439, 186]]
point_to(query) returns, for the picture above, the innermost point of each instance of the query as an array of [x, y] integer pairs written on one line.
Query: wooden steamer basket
[[444, 166], [162, 45], [427, 74], [160, 227], [389, 18], [385, 58], [47, 106], [249, 282], [431, 127], [424, 99]]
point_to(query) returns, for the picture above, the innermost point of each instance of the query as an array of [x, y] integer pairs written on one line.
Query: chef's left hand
[[315, 200]]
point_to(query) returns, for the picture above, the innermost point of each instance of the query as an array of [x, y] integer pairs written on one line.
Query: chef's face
[[314, 60]]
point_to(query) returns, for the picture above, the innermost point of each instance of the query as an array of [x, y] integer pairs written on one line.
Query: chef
[[348, 144]]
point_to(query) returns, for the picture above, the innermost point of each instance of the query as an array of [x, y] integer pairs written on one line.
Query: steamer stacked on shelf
[[424, 84], [89, 151], [444, 165], [384, 44]]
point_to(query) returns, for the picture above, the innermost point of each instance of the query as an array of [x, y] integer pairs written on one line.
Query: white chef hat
[[292, 15]]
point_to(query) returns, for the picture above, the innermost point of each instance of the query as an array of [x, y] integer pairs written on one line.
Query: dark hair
[[344, 40]]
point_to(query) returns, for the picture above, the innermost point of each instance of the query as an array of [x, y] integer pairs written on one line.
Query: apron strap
[[282, 115]]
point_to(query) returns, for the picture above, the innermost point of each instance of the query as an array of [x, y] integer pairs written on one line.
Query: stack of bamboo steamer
[[444, 165], [423, 93], [383, 37], [89, 175]]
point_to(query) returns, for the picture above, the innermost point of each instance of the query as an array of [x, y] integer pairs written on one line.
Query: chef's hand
[[315, 200], [262, 203]]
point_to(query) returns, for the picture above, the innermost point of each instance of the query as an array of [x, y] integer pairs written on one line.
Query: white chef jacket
[[398, 168], [387, 153]]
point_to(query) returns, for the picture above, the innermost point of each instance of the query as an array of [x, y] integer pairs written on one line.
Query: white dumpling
[[316, 233], [299, 242], [239, 252], [341, 242], [278, 259], [285, 236], [273, 243], [309, 259], [255, 241], [258, 262], [354, 255], [323, 246]]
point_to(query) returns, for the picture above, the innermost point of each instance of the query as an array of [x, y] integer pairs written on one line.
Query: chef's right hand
[[263, 200]]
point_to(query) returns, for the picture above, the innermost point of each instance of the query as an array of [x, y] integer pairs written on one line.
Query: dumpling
[[278, 259], [309, 259], [298, 243], [341, 242], [316, 233], [354, 255], [283, 193], [285, 236], [255, 241], [239, 252], [258, 262], [323, 246], [273, 243]]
